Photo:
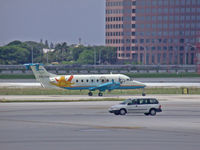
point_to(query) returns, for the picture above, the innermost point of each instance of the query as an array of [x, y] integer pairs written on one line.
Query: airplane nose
[[144, 85]]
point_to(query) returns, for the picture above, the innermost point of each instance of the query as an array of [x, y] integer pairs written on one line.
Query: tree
[[76, 51], [86, 57], [15, 43], [13, 55]]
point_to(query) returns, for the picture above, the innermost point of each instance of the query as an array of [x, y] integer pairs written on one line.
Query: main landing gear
[[100, 94], [91, 94]]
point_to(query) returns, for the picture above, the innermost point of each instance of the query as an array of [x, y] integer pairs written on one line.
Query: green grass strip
[[16, 76], [43, 91]]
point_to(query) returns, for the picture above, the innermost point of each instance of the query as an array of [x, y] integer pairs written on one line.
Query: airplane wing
[[106, 86]]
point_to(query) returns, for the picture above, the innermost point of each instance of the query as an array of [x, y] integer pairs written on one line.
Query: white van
[[148, 106]]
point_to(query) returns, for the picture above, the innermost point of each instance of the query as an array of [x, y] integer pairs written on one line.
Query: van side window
[[153, 101], [143, 101], [134, 101]]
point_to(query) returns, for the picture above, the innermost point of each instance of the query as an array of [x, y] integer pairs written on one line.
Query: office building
[[153, 31]]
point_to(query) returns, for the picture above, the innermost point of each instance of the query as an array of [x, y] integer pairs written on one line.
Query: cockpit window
[[121, 80]]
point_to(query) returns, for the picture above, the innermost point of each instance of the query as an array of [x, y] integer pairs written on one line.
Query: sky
[[53, 20]]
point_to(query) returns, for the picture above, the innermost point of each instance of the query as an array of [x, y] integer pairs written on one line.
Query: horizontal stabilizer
[[37, 65]]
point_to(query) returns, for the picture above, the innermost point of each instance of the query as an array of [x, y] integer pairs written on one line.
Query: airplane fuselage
[[88, 82], [101, 82]]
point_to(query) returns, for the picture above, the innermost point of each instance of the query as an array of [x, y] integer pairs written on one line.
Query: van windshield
[[126, 102]]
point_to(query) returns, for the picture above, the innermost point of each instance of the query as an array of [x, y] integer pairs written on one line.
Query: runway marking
[[74, 124]]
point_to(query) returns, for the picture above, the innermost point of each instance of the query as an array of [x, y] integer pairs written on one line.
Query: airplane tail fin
[[41, 74]]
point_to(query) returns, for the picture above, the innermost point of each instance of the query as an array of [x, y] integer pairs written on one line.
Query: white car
[[148, 106]]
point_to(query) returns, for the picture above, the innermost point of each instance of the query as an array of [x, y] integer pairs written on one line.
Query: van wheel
[[146, 114], [152, 112], [122, 112]]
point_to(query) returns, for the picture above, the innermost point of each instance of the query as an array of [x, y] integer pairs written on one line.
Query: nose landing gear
[[143, 93]]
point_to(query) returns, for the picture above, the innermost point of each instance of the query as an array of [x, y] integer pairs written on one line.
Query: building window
[[128, 55], [158, 58], [181, 48], [135, 58], [181, 40], [133, 18], [134, 3], [181, 58], [192, 58], [141, 58], [170, 58], [141, 40]]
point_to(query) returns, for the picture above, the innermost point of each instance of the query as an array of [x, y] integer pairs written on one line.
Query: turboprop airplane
[[101, 82]]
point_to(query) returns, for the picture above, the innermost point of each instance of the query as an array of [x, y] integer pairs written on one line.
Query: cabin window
[[76, 80], [102, 80], [97, 80], [81, 80], [87, 80], [107, 80], [92, 80]]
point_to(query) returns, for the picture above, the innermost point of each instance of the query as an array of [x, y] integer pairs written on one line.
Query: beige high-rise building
[[153, 31]]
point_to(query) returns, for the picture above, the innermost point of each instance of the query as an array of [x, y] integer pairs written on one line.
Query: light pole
[[47, 58], [94, 56], [99, 56], [32, 54], [145, 51]]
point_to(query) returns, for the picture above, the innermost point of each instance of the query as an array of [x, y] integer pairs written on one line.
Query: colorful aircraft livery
[[62, 82], [91, 82]]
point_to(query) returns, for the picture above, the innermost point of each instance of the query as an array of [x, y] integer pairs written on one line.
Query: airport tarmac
[[162, 97], [89, 126]]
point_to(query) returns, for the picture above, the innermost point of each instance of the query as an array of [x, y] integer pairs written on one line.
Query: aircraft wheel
[[90, 94], [100, 94]]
